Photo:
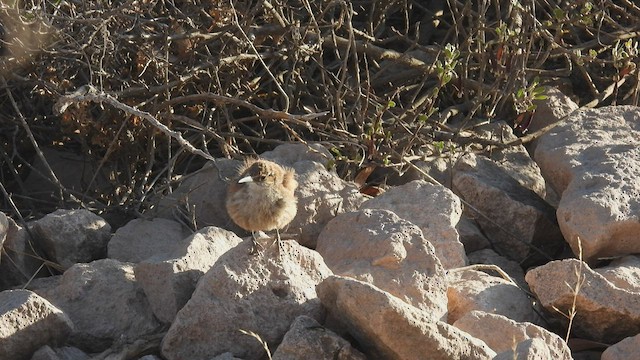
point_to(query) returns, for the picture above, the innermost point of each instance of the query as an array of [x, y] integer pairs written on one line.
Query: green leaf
[[558, 13], [391, 104]]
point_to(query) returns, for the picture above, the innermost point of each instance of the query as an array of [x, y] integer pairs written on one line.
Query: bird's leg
[[278, 240], [256, 248]]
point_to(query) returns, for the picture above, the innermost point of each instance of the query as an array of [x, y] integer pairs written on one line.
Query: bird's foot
[[256, 248]]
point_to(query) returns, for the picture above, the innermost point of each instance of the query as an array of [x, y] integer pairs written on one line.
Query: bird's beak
[[245, 179]]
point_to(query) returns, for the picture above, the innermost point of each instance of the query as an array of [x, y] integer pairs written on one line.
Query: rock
[[629, 348], [471, 236], [200, 197], [62, 353], [434, 209], [605, 312], [261, 293], [530, 349], [27, 322], [378, 247], [501, 333], [225, 356], [4, 227], [20, 259], [307, 339], [169, 279], [141, 239], [321, 196], [474, 290], [388, 328], [520, 219], [104, 302], [549, 111], [515, 160], [490, 257], [73, 236], [623, 273], [289, 154], [593, 160]]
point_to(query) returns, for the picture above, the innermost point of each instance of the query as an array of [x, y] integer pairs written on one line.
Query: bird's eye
[[270, 175]]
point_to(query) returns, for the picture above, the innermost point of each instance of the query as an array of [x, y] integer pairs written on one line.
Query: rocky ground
[[502, 262]]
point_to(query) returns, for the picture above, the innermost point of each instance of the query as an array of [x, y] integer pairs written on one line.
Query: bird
[[262, 197]]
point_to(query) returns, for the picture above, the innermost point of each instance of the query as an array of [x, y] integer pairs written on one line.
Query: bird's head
[[262, 172]]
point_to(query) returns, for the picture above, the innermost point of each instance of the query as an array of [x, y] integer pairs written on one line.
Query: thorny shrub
[[382, 82]]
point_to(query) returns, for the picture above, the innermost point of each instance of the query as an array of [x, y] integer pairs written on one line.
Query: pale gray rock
[[471, 290], [623, 273], [378, 247], [307, 339], [141, 239], [169, 279], [604, 312], [19, 261], [289, 154], [593, 160], [629, 348], [73, 236], [439, 168], [549, 111], [321, 196], [27, 322], [471, 236], [225, 356], [514, 160], [514, 218], [261, 293], [104, 302], [61, 353], [200, 197], [530, 349], [434, 209], [388, 328], [501, 333]]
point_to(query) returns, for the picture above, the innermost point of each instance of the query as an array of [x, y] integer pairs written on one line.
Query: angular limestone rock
[[73, 236], [433, 208], [623, 273], [104, 302], [500, 333], [27, 322], [388, 328], [322, 195], [169, 279], [593, 160], [307, 339], [141, 239], [513, 217], [604, 312], [629, 348], [378, 247], [475, 290], [261, 293], [20, 259]]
